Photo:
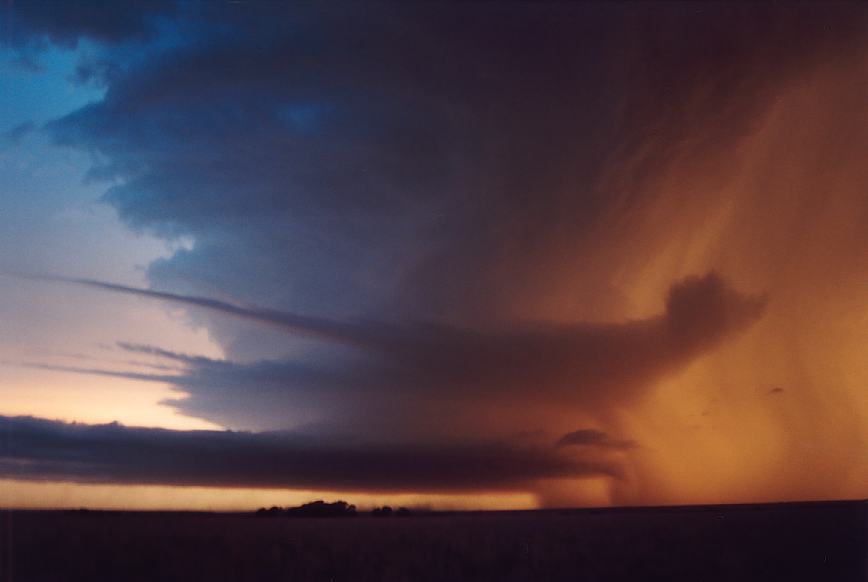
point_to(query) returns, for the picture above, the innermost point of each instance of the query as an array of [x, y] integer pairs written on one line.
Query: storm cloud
[[42, 449], [593, 438], [404, 372], [416, 222], [65, 23], [421, 166]]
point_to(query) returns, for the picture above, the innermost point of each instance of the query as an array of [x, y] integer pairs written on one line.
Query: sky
[[452, 255]]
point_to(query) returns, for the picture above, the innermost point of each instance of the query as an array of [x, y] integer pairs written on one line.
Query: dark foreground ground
[[824, 542]]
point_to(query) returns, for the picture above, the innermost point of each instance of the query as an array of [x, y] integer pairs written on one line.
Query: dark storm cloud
[[593, 438], [437, 159], [425, 162], [406, 369], [42, 449], [340, 155], [65, 23]]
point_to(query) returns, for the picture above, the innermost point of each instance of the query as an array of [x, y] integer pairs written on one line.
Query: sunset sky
[[459, 255]]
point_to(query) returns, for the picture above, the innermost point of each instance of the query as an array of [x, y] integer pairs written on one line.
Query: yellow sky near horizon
[[60, 495]]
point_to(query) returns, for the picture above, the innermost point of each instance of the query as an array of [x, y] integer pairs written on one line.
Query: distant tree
[[403, 512], [318, 508], [384, 511]]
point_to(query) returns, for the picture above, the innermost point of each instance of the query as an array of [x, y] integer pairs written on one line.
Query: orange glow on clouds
[[49, 495], [780, 412]]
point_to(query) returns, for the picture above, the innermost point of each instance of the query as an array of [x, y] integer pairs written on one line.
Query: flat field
[[825, 542]]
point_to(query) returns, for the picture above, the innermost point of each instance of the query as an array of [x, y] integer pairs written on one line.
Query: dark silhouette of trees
[[384, 511], [317, 508], [320, 508]]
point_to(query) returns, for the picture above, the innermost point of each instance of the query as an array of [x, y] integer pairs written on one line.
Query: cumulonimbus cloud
[[478, 164]]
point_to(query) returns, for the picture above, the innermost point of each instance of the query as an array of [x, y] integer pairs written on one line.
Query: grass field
[[815, 541]]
